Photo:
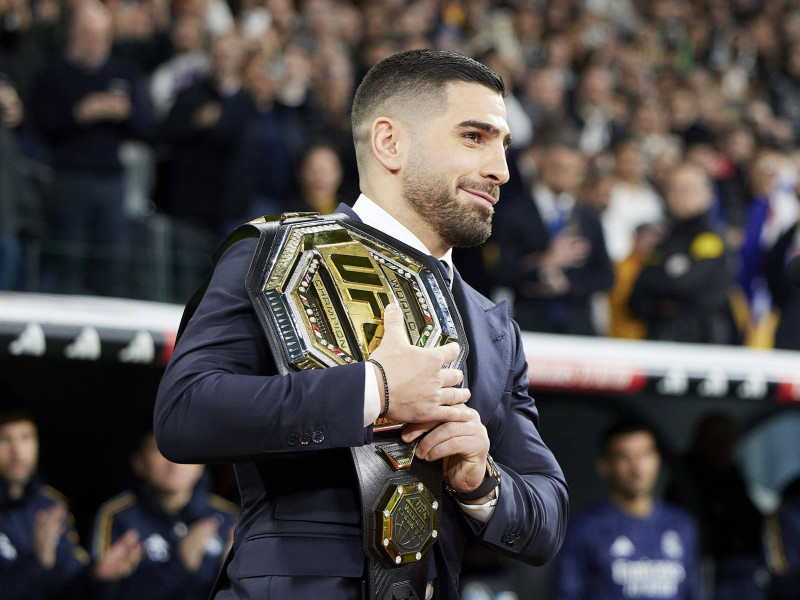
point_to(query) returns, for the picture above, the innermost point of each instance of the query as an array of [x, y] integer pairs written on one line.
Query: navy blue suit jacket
[[222, 400]]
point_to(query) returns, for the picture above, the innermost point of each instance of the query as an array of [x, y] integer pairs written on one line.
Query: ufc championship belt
[[319, 286]]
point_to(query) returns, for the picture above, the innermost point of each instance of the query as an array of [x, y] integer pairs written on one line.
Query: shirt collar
[[374, 216]]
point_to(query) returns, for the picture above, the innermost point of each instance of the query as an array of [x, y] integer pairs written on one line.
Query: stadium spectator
[[201, 132], [623, 324], [682, 292], [86, 104], [593, 111], [633, 200], [630, 546], [268, 152], [185, 530], [320, 178], [40, 555], [552, 251], [785, 296], [18, 197], [188, 65]]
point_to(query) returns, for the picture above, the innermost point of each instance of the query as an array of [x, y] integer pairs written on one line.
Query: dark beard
[[460, 223]]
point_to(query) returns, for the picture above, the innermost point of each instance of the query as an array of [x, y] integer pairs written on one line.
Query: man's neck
[[172, 502], [640, 506], [399, 209], [16, 490]]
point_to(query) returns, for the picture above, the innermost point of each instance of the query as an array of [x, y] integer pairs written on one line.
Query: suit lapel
[[488, 335]]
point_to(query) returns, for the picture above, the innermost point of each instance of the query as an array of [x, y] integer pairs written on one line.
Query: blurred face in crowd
[[456, 164], [226, 57], [683, 109], [188, 34], [19, 452], [259, 82], [628, 161], [649, 118], [91, 36], [688, 193], [630, 465], [596, 87], [563, 170], [546, 88], [163, 476], [321, 171], [740, 145]]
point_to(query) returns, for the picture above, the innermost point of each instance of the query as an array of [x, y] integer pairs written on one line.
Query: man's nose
[[496, 166]]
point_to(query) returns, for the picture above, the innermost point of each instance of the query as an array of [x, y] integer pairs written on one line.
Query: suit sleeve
[[221, 399], [530, 518]]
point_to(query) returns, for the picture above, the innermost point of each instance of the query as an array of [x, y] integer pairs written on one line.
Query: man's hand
[[207, 116], [420, 390], [122, 558], [192, 548], [103, 106], [462, 444], [48, 527], [567, 250]]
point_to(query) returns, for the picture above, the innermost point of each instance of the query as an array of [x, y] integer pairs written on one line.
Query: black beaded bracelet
[[385, 387]]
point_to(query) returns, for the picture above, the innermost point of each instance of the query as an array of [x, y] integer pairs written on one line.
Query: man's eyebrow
[[483, 126]]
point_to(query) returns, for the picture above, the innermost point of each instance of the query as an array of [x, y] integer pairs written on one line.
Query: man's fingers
[[414, 430], [449, 352], [451, 377], [129, 539], [394, 328], [451, 396]]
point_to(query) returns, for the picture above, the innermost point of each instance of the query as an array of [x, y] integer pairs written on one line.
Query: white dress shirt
[[374, 216]]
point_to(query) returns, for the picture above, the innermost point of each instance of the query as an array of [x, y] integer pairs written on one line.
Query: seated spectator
[[40, 556], [552, 251], [185, 531], [730, 524], [631, 546], [682, 292]]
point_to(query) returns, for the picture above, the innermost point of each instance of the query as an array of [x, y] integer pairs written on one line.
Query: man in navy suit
[[431, 135]]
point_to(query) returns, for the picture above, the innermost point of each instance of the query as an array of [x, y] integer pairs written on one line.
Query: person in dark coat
[[552, 250], [682, 292], [201, 133], [185, 530], [785, 296], [85, 105], [431, 135]]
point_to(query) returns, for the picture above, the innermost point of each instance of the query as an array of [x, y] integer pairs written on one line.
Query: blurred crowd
[[654, 160]]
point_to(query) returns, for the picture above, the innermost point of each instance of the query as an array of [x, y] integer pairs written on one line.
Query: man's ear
[[388, 141]]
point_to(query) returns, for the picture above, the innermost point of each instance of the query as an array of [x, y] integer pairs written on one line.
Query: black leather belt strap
[[376, 475]]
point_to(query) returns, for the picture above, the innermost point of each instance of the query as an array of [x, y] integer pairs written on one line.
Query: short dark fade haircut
[[413, 78], [623, 426]]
